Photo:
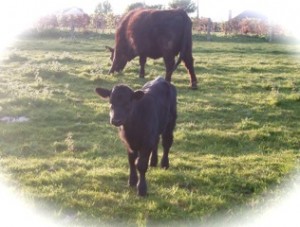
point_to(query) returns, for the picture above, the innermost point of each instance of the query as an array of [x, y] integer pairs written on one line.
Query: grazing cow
[[142, 116], [155, 33]]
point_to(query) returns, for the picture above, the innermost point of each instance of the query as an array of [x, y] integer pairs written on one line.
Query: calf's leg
[[154, 159], [142, 166], [167, 141], [133, 178]]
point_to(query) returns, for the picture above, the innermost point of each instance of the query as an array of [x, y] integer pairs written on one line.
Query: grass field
[[236, 142]]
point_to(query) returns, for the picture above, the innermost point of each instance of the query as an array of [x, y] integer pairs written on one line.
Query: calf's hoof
[[193, 85], [142, 193], [132, 182], [164, 163], [153, 162], [142, 189]]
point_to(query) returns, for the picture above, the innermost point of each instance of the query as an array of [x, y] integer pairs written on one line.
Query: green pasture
[[237, 137]]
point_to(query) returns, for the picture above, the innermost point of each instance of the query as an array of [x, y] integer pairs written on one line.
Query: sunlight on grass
[[236, 140]]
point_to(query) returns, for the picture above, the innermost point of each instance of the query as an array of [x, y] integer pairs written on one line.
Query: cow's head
[[122, 99], [119, 59], [119, 63]]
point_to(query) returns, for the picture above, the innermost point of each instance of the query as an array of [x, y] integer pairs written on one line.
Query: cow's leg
[[153, 159], [189, 64], [142, 166], [132, 156], [169, 63], [167, 141], [143, 60]]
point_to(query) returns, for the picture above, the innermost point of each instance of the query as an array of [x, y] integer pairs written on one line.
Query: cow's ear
[[109, 49], [137, 95], [104, 93]]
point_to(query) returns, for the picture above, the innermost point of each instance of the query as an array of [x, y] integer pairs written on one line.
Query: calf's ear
[[137, 95], [104, 93]]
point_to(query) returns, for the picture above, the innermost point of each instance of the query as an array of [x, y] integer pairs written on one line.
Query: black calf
[[142, 116]]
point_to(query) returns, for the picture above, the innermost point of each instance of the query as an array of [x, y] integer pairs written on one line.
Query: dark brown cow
[[142, 116], [155, 33]]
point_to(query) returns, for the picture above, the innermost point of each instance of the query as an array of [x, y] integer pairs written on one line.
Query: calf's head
[[121, 99]]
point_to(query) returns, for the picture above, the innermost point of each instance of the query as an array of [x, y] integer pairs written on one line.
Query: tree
[[97, 21], [47, 22], [107, 7], [103, 16], [138, 5], [186, 5], [99, 9], [135, 6], [110, 20], [103, 8], [203, 24], [158, 6], [73, 18]]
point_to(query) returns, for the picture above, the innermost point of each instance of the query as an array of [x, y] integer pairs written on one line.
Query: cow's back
[[154, 32]]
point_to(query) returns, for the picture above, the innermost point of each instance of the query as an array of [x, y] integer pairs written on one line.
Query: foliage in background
[[103, 20], [103, 8], [187, 5]]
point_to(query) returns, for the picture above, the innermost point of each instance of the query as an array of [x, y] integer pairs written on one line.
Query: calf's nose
[[116, 122]]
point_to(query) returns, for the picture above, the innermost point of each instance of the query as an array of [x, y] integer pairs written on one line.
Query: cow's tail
[[187, 40]]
